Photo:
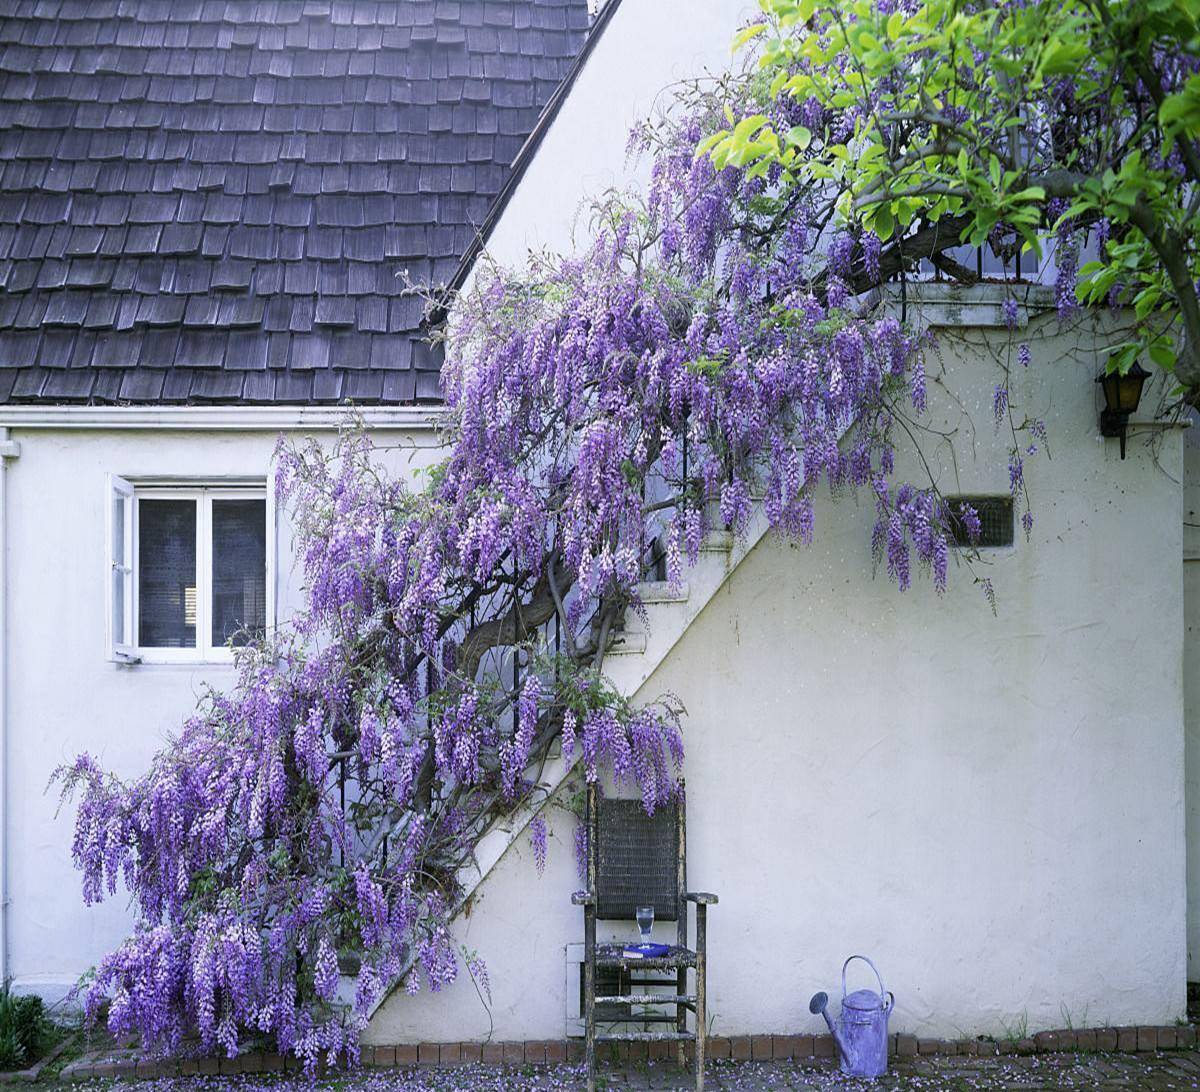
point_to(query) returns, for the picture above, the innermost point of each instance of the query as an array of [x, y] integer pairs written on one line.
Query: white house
[[998, 808], [210, 216]]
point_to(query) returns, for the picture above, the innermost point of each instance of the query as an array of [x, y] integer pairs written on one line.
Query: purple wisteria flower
[[999, 402], [537, 841], [688, 370]]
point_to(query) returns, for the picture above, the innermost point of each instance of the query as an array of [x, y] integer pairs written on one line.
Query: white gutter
[[8, 450], [220, 418]]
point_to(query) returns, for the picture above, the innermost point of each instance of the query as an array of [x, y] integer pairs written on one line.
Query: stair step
[[629, 663], [647, 1036], [627, 644], [660, 591], [648, 999]]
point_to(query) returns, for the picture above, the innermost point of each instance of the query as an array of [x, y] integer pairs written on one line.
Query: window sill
[[139, 659]]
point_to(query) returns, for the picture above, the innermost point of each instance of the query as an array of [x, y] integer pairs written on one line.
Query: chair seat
[[612, 955]]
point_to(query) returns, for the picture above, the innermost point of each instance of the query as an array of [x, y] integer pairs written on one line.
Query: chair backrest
[[639, 859]]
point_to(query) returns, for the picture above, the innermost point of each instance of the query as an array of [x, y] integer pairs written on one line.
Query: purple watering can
[[862, 1031]]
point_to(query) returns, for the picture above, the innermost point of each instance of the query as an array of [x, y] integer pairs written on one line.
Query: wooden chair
[[637, 860]]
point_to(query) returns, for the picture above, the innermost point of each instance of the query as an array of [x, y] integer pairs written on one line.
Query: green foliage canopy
[[1031, 127]]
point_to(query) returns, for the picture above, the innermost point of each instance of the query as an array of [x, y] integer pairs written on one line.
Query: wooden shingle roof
[[220, 201]]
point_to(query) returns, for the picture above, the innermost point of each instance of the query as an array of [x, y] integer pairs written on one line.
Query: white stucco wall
[[992, 807], [1191, 681], [64, 696], [647, 46]]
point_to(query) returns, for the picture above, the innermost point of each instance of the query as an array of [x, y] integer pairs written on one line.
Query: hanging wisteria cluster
[[297, 850]]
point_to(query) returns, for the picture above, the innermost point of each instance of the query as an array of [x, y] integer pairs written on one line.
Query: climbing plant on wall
[[1034, 128], [296, 851]]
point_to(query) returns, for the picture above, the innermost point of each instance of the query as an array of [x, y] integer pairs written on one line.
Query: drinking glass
[[645, 920]]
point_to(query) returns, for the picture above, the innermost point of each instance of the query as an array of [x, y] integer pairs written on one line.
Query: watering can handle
[[883, 993]]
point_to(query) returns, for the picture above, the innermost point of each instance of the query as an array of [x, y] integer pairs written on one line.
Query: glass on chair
[[645, 920]]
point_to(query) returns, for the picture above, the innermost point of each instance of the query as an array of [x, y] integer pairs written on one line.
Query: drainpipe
[[9, 449]]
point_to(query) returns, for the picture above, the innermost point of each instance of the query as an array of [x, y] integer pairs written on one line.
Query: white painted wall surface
[[647, 46], [992, 807], [1191, 680], [64, 695]]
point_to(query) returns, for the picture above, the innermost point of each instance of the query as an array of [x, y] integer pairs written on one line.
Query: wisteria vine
[[298, 849]]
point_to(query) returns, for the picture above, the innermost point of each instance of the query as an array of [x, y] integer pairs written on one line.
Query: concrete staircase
[[637, 651]]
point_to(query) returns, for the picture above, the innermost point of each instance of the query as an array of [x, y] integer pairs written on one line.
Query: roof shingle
[[224, 200]]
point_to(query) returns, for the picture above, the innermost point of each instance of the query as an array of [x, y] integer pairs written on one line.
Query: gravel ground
[[1125, 1072]]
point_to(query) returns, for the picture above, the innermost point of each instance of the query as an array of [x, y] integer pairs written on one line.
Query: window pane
[[239, 530], [118, 608], [118, 528], [167, 573]]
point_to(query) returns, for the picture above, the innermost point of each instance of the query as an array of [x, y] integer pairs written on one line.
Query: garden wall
[[991, 807]]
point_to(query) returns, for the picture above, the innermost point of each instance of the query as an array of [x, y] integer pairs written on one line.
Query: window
[[188, 570], [995, 521]]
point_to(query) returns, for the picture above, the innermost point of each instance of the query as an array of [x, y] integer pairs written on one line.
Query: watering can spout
[[820, 1003]]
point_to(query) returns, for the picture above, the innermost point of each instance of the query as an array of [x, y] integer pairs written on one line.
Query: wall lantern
[[1122, 393]]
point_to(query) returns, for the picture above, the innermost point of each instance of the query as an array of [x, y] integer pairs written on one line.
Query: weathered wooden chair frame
[[679, 959]]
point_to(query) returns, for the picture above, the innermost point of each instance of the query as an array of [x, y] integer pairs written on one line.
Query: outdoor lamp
[[1122, 393]]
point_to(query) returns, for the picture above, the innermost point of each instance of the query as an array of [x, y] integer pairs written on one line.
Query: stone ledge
[[943, 303], [1129, 1040]]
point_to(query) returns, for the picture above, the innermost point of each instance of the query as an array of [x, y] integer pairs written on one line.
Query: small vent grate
[[995, 521]]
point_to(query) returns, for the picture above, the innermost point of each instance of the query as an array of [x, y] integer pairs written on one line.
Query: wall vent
[[614, 981], [995, 521]]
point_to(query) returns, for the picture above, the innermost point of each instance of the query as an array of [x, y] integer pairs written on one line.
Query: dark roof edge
[[523, 159]]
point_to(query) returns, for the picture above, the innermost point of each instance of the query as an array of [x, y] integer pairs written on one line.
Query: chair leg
[[681, 1017], [589, 998], [589, 1031]]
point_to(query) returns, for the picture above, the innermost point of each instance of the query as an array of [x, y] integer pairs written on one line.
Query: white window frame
[[203, 493], [121, 645]]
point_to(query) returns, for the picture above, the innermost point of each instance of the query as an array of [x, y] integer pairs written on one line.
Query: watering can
[[862, 1031]]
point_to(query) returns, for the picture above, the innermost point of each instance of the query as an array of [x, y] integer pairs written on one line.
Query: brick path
[[1149, 1072]]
